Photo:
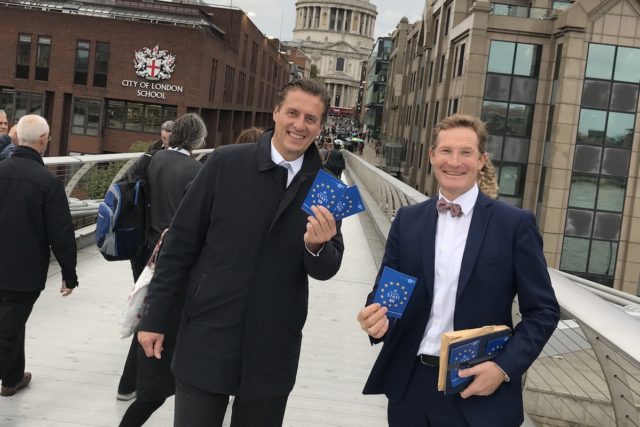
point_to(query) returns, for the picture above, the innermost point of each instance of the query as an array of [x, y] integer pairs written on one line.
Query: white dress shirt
[[292, 167], [451, 239]]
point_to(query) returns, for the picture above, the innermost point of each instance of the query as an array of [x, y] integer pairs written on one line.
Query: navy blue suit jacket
[[502, 258]]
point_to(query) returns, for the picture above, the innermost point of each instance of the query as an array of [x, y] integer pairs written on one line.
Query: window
[[136, 116], [229, 78], [254, 56], [101, 65], [86, 117], [23, 56], [212, 79], [339, 64], [435, 113], [447, 20], [435, 32], [441, 72], [460, 60], [27, 103], [241, 87], [251, 90], [244, 50], [514, 58], [81, 68], [426, 111], [430, 73], [43, 55]]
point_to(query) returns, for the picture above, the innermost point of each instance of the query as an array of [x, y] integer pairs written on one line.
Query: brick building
[[107, 74]]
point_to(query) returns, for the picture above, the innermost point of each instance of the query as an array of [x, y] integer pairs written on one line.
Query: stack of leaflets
[[333, 194], [466, 348]]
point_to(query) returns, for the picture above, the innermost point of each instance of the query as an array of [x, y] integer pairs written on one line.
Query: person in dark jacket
[[333, 159], [165, 134], [242, 250], [34, 218], [169, 174]]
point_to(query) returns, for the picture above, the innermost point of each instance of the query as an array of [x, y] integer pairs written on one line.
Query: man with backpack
[[34, 219], [168, 175]]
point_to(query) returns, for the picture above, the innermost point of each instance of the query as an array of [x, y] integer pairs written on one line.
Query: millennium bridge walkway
[[587, 375]]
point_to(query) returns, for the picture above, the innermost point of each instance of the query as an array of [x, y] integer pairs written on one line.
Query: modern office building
[[557, 83], [338, 36], [376, 84], [107, 73]]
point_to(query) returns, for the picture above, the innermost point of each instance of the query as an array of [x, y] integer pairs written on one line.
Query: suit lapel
[[477, 229], [429, 245], [310, 166]]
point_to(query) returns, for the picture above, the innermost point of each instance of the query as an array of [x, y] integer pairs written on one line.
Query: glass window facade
[[23, 56], [86, 117], [81, 68], [509, 98], [101, 65], [43, 55], [601, 162], [138, 116]]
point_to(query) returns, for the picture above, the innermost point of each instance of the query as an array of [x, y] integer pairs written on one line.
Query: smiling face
[[298, 120], [456, 161]]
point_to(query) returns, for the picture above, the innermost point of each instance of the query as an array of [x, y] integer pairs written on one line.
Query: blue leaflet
[[333, 194], [460, 355], [350, 204], [494, 346], [394, 291]]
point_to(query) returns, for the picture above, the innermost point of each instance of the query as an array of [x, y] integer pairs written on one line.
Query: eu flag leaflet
[[333, 194], [350, 204], [394, 291], [460, 355]]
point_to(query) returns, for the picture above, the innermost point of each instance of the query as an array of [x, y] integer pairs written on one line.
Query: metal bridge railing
[[86, 179], [589, 372]]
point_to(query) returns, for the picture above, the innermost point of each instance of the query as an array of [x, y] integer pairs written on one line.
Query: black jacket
[[237, 243], [34, 217]]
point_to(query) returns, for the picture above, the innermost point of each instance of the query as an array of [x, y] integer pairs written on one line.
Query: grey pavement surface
[[76, 356]]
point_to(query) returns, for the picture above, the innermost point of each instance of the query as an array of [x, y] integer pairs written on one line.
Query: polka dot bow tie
[[454, 209]]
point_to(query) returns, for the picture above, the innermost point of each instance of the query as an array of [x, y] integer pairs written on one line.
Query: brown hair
[[462, 121], [251, 134], [487, 180], [309, 86]]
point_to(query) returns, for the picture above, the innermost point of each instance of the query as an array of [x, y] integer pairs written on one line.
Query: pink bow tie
[[454, 209]]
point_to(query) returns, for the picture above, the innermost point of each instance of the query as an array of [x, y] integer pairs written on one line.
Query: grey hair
[[168, 126], [3, 112], [189, 132], [31, 128]]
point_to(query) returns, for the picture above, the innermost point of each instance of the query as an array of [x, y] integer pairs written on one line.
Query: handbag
[[137, 303]]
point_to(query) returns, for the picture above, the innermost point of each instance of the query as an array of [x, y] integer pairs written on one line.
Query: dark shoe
[[126, 395], [10, 391]]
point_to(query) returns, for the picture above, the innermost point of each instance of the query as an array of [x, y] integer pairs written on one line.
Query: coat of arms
[[154, 64]]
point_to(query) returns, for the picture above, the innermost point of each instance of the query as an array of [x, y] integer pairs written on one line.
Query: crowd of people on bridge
[[228, 300]]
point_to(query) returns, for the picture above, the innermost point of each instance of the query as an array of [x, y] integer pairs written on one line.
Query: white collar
[[179, 150], [466, 200], [277, 158]]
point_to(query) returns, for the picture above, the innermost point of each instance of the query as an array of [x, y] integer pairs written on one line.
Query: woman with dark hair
[[251, 134], [169, 174]]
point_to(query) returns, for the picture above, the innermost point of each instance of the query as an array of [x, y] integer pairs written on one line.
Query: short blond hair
[[462, 121]]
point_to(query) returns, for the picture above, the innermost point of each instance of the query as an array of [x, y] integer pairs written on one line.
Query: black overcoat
[[237, 243]]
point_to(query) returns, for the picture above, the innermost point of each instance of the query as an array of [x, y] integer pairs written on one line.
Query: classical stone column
[[344, 20]]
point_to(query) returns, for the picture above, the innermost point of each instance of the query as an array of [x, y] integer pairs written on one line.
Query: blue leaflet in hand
[[495, 345], [394, 291], [326, 191], [350, 204], [459, 355]]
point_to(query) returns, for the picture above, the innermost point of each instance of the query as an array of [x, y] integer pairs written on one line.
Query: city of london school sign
[[153, 65]]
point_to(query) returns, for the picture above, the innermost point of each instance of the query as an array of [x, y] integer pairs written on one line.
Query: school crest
[[154, 64]]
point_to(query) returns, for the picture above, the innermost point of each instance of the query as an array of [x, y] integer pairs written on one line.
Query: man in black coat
[[244, 248], [34, 218]]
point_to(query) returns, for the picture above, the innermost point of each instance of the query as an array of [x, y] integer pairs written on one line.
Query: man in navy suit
[[471, 255]]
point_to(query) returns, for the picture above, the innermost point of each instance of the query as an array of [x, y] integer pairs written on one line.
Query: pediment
[[342, 46]]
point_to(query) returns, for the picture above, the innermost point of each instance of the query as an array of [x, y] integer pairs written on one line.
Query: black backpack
[[122, 223]]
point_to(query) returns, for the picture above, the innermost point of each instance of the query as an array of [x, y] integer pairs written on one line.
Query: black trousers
[[15, 308], [200, 408], [422, 405]]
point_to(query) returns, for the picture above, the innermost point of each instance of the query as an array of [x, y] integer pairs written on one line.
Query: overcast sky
[[277, 17]]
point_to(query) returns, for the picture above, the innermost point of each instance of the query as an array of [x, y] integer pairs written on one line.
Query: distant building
[[376, 84], [107, 74], [299, 62], [338, 36], [557, 83]]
